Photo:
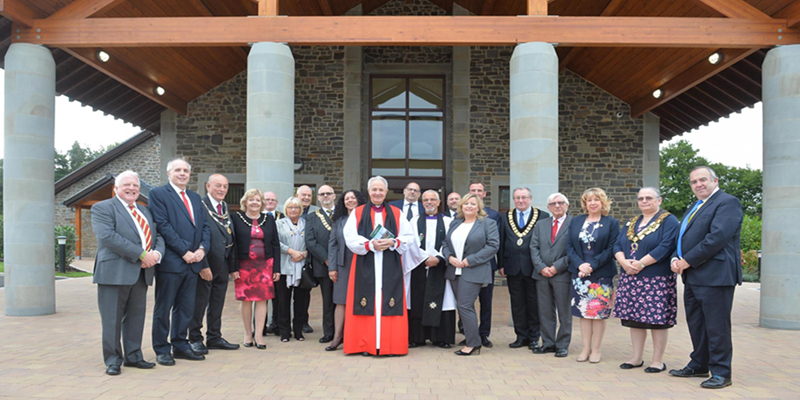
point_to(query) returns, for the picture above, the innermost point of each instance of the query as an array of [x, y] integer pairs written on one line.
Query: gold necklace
[[635, 238], [251, 225], [216, 218], [534, 217], [323, 220]]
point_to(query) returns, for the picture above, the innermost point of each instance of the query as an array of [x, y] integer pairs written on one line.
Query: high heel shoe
[[250, 344], [261, 346], [471, 352], [597, 360], [333, 347]]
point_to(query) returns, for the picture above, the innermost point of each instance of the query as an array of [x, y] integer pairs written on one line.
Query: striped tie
[[148, 238]]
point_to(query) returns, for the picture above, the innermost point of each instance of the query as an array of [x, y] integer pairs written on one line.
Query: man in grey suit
[[550, 270], [128, 246]]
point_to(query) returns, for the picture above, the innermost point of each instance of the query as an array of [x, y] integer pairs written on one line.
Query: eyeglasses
[[521, 198], [557, 204], [271, 200], [326, 194], [648, 198], [412, 190]]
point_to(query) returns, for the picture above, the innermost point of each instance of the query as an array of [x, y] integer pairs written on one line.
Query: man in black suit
[[305, 195], [410, 206], [514, 262], [128, 247], [708, 257], [487, 292], [317, 235], [271, 205], [452, 204], [271, 208], [213, 283], [181, 220]]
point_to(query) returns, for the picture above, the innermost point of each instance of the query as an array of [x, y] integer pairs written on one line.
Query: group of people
[[393, 274]]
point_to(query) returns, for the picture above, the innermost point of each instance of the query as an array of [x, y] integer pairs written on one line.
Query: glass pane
[[426, 134], [426, 93], [388, 144], [388, 93]]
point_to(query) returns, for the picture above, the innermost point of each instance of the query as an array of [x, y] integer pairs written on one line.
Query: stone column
[[534, 120], [352, 116], [28, 191], [270, 119], [651, 156], [459, 152], [169, 143], [780, 275]]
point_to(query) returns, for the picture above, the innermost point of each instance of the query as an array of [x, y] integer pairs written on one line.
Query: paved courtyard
[[59, 357]]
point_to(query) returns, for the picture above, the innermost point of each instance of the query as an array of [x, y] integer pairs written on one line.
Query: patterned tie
[[410, 214], [685, 222], [330, 212], [186, 203], [554, 231], [521, 219], [148, 238]]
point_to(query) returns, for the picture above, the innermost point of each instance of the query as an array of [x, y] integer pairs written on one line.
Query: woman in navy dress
[[647, 296], [590, 247]]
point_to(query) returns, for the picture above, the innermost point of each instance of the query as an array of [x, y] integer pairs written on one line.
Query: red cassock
[[359, 330]]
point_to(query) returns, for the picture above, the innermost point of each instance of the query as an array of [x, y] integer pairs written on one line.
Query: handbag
[[307, 279]]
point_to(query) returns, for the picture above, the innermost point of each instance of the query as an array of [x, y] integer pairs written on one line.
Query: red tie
[[148, 238], [186, 203], [219, 208], [554, 231]]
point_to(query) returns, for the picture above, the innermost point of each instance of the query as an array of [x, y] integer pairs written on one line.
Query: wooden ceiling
[[695, 93]]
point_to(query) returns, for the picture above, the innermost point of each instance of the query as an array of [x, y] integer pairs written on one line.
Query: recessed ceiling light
[[657, 93], [160, 90], [715, 58], [103, 56]]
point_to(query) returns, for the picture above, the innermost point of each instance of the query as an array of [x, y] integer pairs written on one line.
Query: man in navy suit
[[452, 204], [410, 206], [179, 215], [485, 329], [708, 256]]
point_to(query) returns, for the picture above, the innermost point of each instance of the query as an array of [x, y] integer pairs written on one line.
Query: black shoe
[[463, 342], [412, 345], [141, 364], [716, 382], [333, 347], [198, 347], [631, 366], [518, 343], [221, 344], [248, 345], [561, 353], [307, 328], [652, 370], [366, 354], [687, 372], [443, 345], [261, 346], [485, 342], [325, 339], [543, 349], [299, 337], [165, 359], [270, 329], [188, 355], [112, 370], [475, 350]]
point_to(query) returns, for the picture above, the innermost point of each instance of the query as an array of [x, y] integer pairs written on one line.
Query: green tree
[[75, 158]]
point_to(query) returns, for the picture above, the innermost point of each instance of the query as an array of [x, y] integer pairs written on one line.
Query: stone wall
[[408, 54], [596, 148], [145, 159]]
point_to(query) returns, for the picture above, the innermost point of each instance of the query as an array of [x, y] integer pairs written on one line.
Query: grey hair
[[656, 191], [292, 200], [213, 175], [556, 194], [169, 164], [707, 168], [434, 192], [530, 194], [303, 187], [125, 173], [377, 177]]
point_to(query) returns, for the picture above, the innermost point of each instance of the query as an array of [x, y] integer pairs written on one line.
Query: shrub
[[751, 233], [69, 232]]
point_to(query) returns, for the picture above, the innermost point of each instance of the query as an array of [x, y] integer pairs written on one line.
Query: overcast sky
[[734, 141]]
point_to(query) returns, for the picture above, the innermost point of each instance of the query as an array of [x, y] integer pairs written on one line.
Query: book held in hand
[[381, 232]]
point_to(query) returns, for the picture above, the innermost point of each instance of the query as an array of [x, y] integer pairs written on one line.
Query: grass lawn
[[67, 274]]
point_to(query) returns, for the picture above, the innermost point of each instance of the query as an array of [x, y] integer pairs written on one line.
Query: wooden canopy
[[629, 48]]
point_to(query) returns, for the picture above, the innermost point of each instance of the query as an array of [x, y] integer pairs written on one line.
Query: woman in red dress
[[258, 255]]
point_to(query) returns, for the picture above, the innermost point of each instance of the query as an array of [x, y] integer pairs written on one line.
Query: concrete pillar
[[28, 171], [780, 274], [534, 120], [169, 143], [651, 156], [270, 119], [353, 67], [459, 151]]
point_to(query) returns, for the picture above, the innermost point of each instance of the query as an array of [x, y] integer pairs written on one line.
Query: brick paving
[[59, 357]]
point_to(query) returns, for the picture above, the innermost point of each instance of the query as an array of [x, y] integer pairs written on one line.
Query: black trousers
[[444, 333], [485, 297], [708, 316], [210, 296], [524, 309], [328, 307], [287, 325]]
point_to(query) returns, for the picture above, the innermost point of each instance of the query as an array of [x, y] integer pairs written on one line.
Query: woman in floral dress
[[647, 296], [590, 247], [258, 253]]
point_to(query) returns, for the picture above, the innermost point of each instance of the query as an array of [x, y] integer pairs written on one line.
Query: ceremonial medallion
[[519, 242], [513, 224], [363, 302], [391, 302], [433, 305], [229, 231]]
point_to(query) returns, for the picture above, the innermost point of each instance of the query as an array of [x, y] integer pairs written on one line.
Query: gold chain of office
[[324, 221], [634, 237], [534, 217], [217, 217]]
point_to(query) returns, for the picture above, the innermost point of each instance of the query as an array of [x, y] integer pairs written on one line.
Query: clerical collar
[[377, 209], [431, 216]]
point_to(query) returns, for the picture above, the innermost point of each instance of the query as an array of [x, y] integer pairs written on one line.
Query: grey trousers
[[122, 313], [466, 294], [554, 296]]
